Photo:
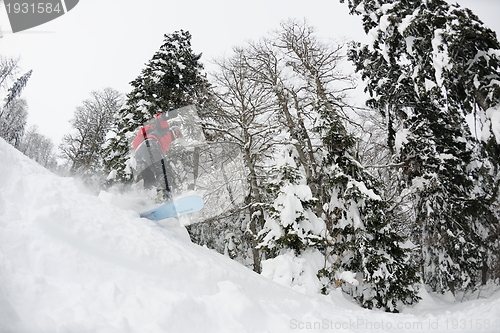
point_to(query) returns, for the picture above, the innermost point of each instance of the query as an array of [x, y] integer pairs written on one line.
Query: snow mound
[[73, 262]]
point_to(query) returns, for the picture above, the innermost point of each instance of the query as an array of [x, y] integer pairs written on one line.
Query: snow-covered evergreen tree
[[345, 192], [293, 236], [13, 110], [430, 66], [13, 119], [171, 79], [369, 259]]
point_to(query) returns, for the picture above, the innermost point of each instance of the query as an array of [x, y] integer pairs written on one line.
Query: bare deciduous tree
[[244, 112], [84, 147], [39, 148]]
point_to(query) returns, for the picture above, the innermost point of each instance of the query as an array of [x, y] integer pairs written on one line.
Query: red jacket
[[160, 132]]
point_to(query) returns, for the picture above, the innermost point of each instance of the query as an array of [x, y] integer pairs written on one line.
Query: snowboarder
[[151, 145]]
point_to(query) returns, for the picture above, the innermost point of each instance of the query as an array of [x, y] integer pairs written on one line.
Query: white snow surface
[[440, 56], [401, 139], [493, 118], [73, 262]]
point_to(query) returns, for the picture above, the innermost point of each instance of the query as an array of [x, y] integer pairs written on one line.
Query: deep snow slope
[[69, 262]]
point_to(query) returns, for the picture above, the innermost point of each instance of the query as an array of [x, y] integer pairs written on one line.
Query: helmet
[[161, 120], [176, 132]]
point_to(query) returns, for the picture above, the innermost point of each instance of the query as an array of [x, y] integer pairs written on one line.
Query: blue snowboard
[[175, 208]]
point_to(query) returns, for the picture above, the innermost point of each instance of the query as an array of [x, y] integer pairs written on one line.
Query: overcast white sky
[[105, 43]]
